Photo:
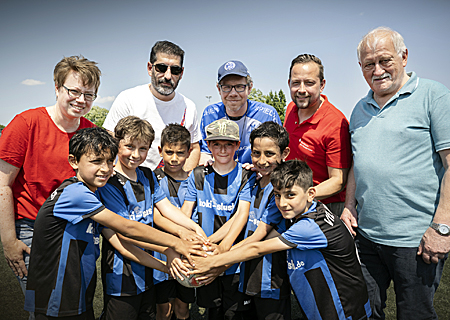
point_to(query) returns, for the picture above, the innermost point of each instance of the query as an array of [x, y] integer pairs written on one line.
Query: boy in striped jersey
[[322, 262], [172, 297], [221, 193]]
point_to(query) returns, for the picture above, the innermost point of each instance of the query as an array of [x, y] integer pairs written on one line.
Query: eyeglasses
[[76, 94], [175, 70], [239, 87]]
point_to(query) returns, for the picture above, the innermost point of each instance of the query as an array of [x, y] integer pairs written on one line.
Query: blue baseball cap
[[232, 67]]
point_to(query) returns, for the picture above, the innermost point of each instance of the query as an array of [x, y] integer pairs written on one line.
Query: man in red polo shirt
[[318, 131]]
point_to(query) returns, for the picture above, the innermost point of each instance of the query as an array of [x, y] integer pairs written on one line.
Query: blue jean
[[415, 282], [24, 232]]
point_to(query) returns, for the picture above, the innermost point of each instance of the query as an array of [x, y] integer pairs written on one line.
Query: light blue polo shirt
[[396, 165]]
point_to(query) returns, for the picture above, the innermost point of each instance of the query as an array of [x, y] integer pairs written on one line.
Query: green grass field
[[11, 298]]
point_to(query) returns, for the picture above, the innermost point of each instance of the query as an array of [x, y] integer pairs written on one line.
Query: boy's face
[[132, 153], [293, 201], [223, 150], [174, 156], [266, 155], [94, 170]]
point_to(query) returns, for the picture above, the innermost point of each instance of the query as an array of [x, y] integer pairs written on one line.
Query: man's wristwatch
[[442, 229]]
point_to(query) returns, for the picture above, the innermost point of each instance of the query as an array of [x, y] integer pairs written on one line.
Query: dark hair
[[305, 58], [88, 70], [290, 173], [94, 140], [168, 48], [136, 128], [175, 133], [272, 130]]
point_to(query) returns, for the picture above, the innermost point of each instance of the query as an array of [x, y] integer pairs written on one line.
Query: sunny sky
[[265, 35]]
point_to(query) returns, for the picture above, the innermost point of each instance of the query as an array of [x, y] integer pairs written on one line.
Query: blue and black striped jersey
[[133, 200], [323, 267], [266, 276], [217, 196], [62, 273]]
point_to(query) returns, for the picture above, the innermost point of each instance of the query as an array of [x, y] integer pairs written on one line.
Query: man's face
[[305, 85], [234, 101], [166, 82], [383, 68]]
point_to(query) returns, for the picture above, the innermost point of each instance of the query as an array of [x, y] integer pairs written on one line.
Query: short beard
[[165, 91]]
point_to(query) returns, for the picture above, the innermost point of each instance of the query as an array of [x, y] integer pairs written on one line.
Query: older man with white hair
[[398, 191]]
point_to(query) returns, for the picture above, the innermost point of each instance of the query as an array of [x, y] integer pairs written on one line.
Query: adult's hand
[[433, 246], [349, 217], [13, 251]]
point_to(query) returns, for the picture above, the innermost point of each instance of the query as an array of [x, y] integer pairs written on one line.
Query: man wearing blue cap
[[234, 84]]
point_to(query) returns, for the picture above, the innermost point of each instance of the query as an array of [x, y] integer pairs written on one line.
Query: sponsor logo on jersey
[[292, 265], [213, 204]]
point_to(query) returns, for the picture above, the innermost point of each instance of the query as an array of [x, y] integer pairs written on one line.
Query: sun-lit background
[[265, 35]]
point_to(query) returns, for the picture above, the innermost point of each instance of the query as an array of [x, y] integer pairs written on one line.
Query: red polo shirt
[[321, 141]]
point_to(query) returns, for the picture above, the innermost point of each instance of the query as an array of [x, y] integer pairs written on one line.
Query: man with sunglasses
[[159, 103], [234, 85]]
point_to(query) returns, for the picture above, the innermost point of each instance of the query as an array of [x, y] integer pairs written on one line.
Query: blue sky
[[265, 35]]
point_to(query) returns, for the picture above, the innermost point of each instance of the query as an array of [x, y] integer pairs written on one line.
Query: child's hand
[[210, 276], [202, 265], [177, 267], [209, 162], [189, 235], [251, 166], [188, 248]]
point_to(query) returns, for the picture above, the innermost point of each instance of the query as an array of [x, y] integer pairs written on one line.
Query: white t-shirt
[[140, 102]]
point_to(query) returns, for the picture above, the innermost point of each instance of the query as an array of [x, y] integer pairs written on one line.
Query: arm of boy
[[244, 253], [142, 232], [174, 228], [171, 212], [188, 208], [260, 233], [133, 253], [240, 221]]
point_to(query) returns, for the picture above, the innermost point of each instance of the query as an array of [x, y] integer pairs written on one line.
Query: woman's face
[[70, 106]]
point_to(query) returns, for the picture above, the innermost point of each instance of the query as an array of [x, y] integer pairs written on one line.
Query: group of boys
[[200, 217]]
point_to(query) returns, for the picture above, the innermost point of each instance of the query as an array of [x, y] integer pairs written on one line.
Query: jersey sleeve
[[113, 199], [119, 109], [191, 194], [272, 215], [158, 193], [14, 142], [77, 203], [249, 179], [305, 235], [204, 122]]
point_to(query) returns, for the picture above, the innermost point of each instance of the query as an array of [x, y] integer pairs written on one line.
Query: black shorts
[[170, 289], [271, 309], [88, 315], [141, 306], [223, 291]]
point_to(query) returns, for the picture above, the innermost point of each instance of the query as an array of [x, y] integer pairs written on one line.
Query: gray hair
[[370, 40]]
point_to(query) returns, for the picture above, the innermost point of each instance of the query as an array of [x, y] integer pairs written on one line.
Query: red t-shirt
[[321, 141], [33, 143]]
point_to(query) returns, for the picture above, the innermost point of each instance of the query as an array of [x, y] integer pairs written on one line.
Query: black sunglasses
[[175, 70]]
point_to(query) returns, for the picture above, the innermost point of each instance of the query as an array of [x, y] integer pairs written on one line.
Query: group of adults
[[385, 172]]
